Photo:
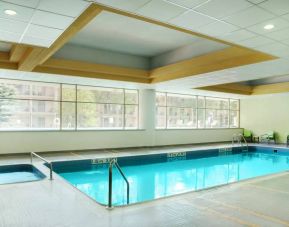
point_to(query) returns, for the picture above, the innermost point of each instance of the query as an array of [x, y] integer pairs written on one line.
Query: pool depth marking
[[176, 156], [100, 161]]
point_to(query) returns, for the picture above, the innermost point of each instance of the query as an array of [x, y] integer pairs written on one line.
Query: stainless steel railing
[[32, 154], [113, 162], [238, 138], [242, 137]]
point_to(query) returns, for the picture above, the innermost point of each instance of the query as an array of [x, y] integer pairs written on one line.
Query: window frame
[[197, 111], [75, 102]]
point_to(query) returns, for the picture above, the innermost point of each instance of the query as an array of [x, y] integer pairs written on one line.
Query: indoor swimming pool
[[160, 175]]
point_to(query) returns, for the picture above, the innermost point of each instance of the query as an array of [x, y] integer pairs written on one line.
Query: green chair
[[248, 135], [268, 137]]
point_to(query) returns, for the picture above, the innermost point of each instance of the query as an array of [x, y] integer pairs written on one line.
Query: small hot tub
[[19, 173]]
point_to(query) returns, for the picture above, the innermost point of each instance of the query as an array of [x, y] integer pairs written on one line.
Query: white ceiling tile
[[192, 20], [128, 5], [217, 28], [256, 41], [284, 52], [9, 36], [51, 20], [71, 8], [278, 7], [269, 48], [36, 41], [23, 13], [249, 16], [286, 41], [168, 10], [29, 3], [222, 8], [279, 35], [188, 3], [256, 1], [239, 35], [12, 26], [278, 23], [286, 17], [43, 32]]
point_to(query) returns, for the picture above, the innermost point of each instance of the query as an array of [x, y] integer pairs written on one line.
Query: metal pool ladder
[[113, 162], [43, 159], [238, 138]]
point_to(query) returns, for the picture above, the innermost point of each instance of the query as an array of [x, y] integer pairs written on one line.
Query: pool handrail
[[242, 137], [111, 163], [43, 159], [239, 138]]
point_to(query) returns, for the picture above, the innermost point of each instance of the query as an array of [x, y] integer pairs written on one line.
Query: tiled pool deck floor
[[258, 202]]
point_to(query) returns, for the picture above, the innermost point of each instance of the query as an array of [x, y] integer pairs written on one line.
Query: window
[[217, 112], [176, 111], [27, 105], [107, 108], [97, 116], [188, 111], [234, 113]]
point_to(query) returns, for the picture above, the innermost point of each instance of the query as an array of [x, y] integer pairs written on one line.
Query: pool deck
[[261, 201]]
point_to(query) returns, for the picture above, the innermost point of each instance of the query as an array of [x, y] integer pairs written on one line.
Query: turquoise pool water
[[156, 180], [19, 173]]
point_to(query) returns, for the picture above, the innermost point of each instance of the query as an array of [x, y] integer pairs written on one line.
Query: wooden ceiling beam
[[236, 88], [215, 61], [30, 59], [5, 63], [4, 56], [79, 68], [8, 65], [271, 88], [17, 52], [106, 76], [96, 68], [232, 88], [36, 56]]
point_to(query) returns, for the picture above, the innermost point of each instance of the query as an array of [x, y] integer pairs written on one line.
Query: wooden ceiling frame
[[84, 69], [215, 61], [241, 89], [38, 59], [17, 52]]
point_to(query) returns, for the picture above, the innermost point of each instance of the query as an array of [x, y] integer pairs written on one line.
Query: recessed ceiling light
[[269, 26], [10, 12]]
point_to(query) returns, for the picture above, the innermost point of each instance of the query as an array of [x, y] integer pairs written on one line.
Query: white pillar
[[147, 114]]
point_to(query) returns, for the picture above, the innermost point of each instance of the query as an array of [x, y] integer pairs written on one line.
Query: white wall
[[266, 113], [19, 142], [171, 137]]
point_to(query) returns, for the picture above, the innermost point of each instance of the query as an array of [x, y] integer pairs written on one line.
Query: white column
[[147, 114]]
